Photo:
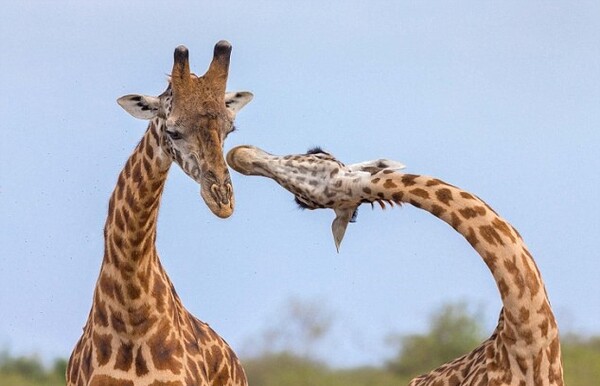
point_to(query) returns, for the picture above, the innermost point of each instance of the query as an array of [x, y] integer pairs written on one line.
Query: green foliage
[[453, 332], [289, 369], [30, 371], [581, 360]]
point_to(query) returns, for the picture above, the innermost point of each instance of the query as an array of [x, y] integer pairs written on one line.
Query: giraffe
[[524, 349], [138, 332]]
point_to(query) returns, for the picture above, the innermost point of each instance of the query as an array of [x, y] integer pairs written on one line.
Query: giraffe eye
[[174, 134]]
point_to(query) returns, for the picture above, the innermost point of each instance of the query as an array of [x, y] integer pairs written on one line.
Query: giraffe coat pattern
[[524, 349], [138, 332]]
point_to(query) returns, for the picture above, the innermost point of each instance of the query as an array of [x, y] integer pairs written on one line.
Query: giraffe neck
[[133, 290], [529, 323]]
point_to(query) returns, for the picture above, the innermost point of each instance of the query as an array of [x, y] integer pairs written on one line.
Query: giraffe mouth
[[218, 196]]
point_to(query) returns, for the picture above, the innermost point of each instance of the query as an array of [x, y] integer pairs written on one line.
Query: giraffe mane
[[316, 150]]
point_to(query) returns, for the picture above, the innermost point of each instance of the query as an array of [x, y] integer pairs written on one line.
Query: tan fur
[[524, 349], [138, 332]]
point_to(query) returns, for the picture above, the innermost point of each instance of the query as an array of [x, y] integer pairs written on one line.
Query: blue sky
[[499, 98]]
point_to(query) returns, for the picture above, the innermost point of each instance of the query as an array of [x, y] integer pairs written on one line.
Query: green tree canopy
[[453, 331]]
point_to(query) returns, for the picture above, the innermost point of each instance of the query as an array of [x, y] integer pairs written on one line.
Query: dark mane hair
[[303, 206], [316, 150]]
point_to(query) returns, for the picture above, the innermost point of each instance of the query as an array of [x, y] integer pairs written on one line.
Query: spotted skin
[[524, 348], [138, 332]]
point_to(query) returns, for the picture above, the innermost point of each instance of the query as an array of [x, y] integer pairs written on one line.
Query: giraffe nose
[[222, 193], [218, 196]]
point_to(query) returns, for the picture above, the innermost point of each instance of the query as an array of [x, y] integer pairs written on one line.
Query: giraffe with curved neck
[[524, 349], [138, 332]]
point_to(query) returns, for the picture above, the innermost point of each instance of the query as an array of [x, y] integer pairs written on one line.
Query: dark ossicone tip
[[181, 54], [222, 48]]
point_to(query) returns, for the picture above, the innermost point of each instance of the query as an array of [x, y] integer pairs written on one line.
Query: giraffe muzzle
[[218, 197]]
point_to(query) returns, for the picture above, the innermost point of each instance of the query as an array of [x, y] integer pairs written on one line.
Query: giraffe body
[[524, 349], [138, 332]]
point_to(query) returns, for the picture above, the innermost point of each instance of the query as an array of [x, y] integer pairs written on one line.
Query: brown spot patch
[[455, 220], [166, 350], [444, 195], [86, 362], [397, 197], [141, 367], [100, 314], [117, 322], [158, 292], [166, 383], [149, 151], [416, 204], [527, 335], [147, 166], [367, 190], [513, 270], [107, 380], [509, 336], [504, 289], [523, 315], [543, 326], [454, 380], [490, 235], [466, 195], [472, 212], [140, 320], [533, 282], [553, 354], [420, 192], [503, 228], [375, 180], [214, 359], [546, 313], [223, 377], [433, 182], [409, 179], [118, 220], [102, 342], [133, 291], [437, 210], [490, 260], [472, 237], [124, 356], [389, 184]]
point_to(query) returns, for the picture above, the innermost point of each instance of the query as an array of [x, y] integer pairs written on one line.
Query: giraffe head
[[195, 116], [316, 179]]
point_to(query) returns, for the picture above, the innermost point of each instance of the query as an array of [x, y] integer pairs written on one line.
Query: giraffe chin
[[219, 200]]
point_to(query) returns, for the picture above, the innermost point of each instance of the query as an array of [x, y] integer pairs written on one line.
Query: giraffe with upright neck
[[524, 348], [138, 332]]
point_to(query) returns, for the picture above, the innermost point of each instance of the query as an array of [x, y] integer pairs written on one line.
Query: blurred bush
[[285, 356]]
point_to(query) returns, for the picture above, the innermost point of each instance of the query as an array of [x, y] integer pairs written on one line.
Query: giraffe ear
[[236, 100], [376, 165], [339, 225], [140, 106]]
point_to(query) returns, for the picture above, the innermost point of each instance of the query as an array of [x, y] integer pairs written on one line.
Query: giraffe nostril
[[214, 189], [221, 193]]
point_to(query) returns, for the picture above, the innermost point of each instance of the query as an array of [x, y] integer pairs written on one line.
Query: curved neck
[[132, 283], [529, 320], [130, 229]]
